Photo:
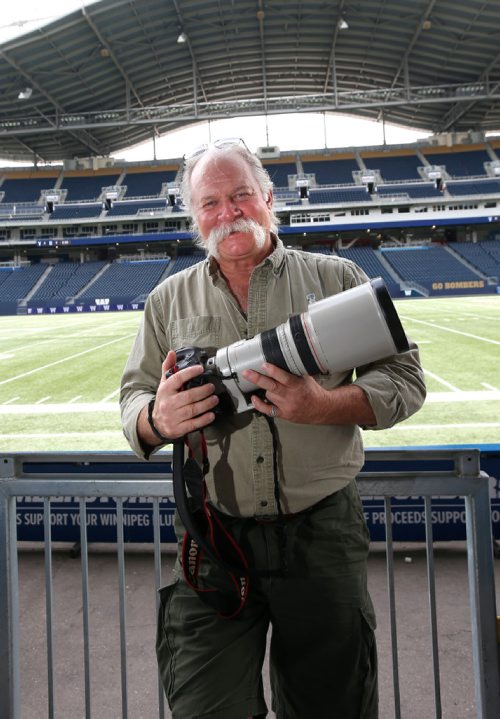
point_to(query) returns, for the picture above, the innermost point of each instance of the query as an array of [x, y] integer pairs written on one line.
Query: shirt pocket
[[204, 332]]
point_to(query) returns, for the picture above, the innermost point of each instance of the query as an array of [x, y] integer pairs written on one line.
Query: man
[[284, 487]]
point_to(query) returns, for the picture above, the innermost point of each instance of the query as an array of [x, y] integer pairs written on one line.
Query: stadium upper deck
[[393, 195]]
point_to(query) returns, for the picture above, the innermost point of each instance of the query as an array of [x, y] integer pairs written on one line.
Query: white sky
[[288, 132]]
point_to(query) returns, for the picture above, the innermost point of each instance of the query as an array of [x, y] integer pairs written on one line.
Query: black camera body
[[191, 356]]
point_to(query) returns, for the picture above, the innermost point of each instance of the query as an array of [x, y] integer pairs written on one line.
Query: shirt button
[[260, 459], [263, 503]]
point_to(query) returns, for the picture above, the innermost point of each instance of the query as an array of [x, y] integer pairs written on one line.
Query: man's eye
[[241, 196], [208, 204]]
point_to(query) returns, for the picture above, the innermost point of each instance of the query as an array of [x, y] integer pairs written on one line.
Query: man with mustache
[[281, 479]]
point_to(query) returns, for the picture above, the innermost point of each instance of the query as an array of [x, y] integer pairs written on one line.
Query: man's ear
[[269, 201]]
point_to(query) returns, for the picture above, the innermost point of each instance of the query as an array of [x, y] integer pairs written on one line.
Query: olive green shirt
[[195, 307]]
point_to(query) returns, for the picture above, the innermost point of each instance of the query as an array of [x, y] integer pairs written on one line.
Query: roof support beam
[[86, 139], [331, 68], [197, 82], [36, 155], [260, 17], [128, 82], [403, 65], [456, 112], [164, 116]]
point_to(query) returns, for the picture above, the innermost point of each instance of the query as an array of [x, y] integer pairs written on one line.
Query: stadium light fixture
[[25, 93]]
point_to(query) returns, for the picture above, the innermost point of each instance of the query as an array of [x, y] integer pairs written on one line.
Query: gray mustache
[[220, 233]]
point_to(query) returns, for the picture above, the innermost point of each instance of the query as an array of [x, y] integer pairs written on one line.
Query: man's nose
[[229, 210]]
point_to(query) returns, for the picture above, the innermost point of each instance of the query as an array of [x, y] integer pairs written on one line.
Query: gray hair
[[259, 173]]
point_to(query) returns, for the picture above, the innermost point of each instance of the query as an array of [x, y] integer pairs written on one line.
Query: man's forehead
[[221, 168]]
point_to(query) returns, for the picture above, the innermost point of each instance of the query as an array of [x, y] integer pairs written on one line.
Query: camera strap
[[206, 534]]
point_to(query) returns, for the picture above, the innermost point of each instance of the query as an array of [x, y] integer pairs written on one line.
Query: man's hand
[[178, 411], [303, 400], [297, 399]]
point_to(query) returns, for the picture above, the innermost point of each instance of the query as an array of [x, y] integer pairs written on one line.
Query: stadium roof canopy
[[116, 72]]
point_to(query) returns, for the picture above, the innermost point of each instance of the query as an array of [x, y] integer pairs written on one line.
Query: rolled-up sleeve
[[395, 387]]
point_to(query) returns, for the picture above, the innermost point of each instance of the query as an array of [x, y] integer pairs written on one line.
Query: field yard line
[[40, 435], [448, 329], [471, 396], [441, 381], [75, 407], [91, 332], [20, 333], [20, 349], [65, 359], [67, 408], [464, 425], [480, 317], [110, 396]]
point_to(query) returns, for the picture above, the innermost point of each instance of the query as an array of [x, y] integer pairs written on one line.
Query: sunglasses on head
[[220, 144]]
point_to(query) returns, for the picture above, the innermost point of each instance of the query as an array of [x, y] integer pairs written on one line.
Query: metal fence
[[387, 474]]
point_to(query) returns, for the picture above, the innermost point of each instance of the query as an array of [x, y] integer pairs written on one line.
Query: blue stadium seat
[[147, 184], [123, 208], [24, 211], [331, 172], [483, 255], [396, 167], [278, 172], [184, 261], [467, 163], [19, 281], [75, 211], [473, 187], [28, 190], [368, 260], [126, 280], [339, 195], [65, 280], [87, 187], [414, 190], [427, 265]]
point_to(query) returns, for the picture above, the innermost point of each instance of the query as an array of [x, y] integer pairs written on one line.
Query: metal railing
[[387, 474]]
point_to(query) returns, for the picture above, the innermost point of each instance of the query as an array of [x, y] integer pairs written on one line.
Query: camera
[[335, 334]]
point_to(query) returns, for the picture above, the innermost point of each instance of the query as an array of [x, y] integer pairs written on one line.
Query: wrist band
[[152, 424]]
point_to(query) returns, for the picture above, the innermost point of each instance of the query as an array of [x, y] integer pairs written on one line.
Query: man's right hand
[[178, 411]]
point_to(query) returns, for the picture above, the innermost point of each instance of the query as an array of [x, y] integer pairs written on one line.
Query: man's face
[[232, 216]]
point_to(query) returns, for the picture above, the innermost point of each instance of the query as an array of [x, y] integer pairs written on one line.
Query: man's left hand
[[305, 401], [296, 399]]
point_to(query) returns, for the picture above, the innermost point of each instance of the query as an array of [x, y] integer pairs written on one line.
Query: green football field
[[59, 377]]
